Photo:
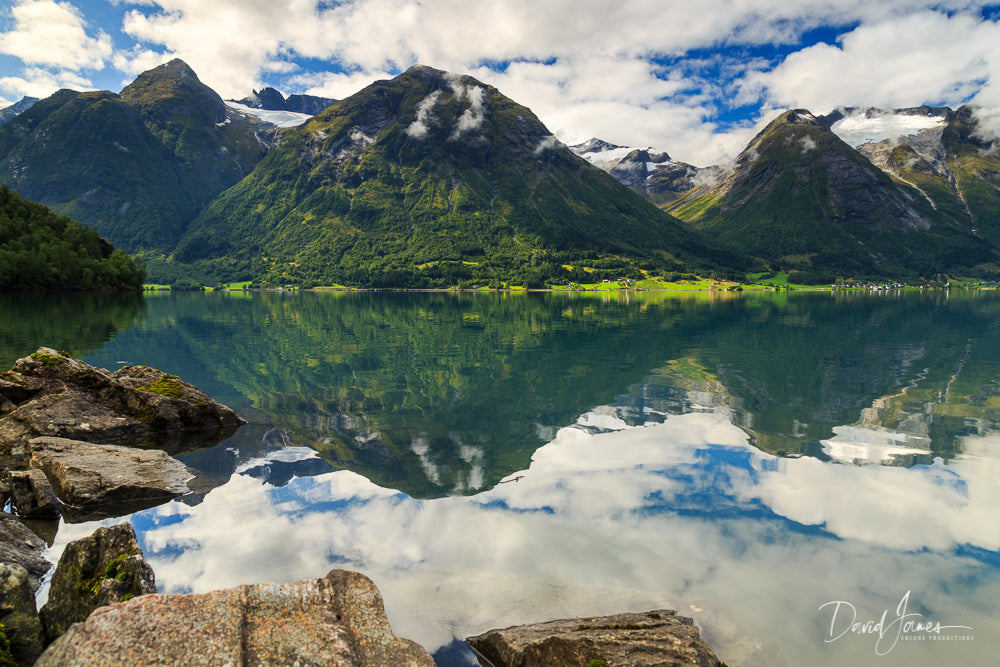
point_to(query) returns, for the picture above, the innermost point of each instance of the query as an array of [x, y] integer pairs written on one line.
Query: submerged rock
[[336, 620], [658, 637], [102, 569], [21, 638], [99, 481], [52, 394]]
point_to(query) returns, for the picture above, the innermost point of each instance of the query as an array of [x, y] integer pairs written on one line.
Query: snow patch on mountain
[[602, 154], [279, 118], [865, 127]]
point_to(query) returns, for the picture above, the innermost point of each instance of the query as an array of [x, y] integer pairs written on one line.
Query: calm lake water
[[776, 467]]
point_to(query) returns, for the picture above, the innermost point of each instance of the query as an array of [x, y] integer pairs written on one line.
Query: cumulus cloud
[[580, 98], [336, 85], [908, 61], [137, 60], [38, 82], [637, 84], [55, 44], [53, 34]]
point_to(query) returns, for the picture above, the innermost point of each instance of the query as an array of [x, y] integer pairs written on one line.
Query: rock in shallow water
[[20, 628], [98, 481], [622, 640], [20, 546], [102, 569], [337, 620], [51, 394], [31, 494]]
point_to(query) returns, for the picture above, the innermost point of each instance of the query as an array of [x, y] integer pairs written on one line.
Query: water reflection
[[683, 513], [443, 394], [499, 459], [78, 322]]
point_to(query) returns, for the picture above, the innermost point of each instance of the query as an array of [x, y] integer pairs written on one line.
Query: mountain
[[138, 166], [434, 179], [40, 249], [653, 174], [801, 197], [19, 107], [272, 100], [950, 161]]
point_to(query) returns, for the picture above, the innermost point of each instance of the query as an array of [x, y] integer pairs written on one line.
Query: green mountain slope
[[139, 166], [802, 198], [973, 166], [954, 166], [41, 249], [431, 179]]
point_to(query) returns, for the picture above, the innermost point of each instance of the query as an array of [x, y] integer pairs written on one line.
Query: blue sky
[[694, 78]]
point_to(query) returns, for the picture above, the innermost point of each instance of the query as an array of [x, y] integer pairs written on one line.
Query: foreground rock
[[337, 620], [622, 640], [19, 546], [32, 495], [102, 569], [21, 638], [98, 481], [52, 394]]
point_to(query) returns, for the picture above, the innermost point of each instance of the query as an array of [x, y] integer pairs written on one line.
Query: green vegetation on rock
[[168, 385]]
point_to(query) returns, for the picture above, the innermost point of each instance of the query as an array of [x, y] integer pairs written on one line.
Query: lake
[[813, 477]]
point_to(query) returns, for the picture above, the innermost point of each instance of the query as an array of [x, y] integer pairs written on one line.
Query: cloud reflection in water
[[683, 514]]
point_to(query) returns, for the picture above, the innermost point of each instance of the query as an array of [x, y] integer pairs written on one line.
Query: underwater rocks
[[336, 620], [658, 637]]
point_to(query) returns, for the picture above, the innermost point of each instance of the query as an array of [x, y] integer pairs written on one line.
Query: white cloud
[[582, 98], [53, 34], [908, 61], [336, 85], [585, 72], [37, 82], [545, 144], [635, 519], [472, 117], [138, 60], [418, 128]]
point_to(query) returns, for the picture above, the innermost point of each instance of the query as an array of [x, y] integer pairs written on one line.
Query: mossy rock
[[168, 385], [48, 360]]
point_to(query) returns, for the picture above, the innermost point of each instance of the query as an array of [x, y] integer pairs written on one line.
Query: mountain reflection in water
[[499, 459]]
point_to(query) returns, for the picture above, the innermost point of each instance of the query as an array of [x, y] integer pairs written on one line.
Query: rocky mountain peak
[[594, 145], [163, 91]]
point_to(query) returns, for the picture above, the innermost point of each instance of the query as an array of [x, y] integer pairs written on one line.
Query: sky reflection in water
[[743, 460], [683, 514]]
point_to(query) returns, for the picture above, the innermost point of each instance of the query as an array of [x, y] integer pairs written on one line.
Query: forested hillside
[[42, 249]]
